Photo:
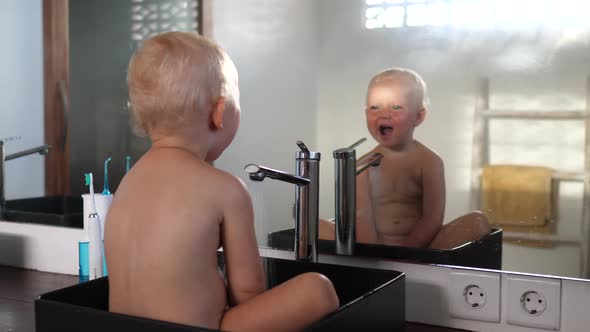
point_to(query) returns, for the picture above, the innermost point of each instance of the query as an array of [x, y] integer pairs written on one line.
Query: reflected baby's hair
[[174, 73], [396, 74]]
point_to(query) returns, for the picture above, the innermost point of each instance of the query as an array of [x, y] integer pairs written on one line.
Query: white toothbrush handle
[[94, 247]]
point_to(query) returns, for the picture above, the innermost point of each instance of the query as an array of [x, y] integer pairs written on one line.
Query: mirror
[[92, 102], [304, 68], [534, 62]]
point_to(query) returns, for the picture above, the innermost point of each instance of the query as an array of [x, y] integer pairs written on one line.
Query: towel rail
[[481, 157], [570, 176], [557, 176], [534, 114], [571, 239]]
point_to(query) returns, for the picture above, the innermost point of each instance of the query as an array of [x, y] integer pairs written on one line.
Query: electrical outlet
[[474, 295], [533, 302]]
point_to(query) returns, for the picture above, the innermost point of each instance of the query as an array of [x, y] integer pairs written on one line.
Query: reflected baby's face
[[392, 113]]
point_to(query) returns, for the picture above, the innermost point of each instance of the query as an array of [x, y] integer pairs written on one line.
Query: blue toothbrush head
[[106, 177], [87, 179], [127, 161]]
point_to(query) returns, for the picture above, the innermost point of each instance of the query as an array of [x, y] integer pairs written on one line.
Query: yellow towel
[[515, 195]]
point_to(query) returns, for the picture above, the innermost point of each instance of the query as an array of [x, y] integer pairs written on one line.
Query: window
[[400, 13], [476, 13], [150, 17]]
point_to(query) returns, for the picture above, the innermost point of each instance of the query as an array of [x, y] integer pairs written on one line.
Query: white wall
[[273, 44], [21, 93], [535, 69]]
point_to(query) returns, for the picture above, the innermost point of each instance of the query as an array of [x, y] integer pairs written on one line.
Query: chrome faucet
[[259, 173], [307, 177], [44, 149], [346, 170]]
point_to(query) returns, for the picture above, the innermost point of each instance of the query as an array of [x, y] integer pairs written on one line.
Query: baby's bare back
[[161, 238], [396, 193]]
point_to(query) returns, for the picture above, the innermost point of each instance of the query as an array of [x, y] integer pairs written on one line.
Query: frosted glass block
[[374, 12], [418, 15], [471, 13], [150, 17], [373, 23], [438, 14], [520, 13], [393, 17]]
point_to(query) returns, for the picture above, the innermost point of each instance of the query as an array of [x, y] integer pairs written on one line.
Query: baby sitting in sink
[[402, 201], [173, 210]]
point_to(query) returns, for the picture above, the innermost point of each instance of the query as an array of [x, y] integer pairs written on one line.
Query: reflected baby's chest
[[404, 185]]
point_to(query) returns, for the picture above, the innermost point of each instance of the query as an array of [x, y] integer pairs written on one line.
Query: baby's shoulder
[[230, 187], [230, 182], [425, 153], [182, 170]]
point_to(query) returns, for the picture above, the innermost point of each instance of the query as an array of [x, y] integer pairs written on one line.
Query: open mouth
[[385, 130]]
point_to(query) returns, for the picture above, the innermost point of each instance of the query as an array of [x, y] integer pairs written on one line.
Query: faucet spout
[[372, 160], [43, 150], [259, 173]]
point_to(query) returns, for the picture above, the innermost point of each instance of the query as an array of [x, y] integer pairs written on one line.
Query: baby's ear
[[420, 116], [216, 118]]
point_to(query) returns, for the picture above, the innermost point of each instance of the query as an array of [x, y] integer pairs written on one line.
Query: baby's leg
[[470, 227], [290, 306]]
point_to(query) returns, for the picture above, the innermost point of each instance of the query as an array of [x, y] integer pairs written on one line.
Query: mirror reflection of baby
[[173, 210], [402, 201]]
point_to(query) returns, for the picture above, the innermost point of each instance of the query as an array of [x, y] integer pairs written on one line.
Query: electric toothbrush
[[94, 235]]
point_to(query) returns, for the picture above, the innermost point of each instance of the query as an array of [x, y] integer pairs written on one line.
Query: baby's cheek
[[399, 118], [371, 121]]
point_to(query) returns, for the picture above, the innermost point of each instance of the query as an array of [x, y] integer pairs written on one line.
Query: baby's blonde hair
[[396, 74], [174, 73]]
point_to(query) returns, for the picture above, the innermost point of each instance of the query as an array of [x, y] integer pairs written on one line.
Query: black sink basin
[[371, 300], [485, 253], [50, 210]]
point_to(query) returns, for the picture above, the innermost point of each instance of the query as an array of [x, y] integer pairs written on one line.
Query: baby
[[402, 202], [173, 210]]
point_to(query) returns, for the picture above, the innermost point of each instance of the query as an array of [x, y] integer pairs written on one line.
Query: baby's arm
[[243, 264], [433, 204], [366, 230], [290, 306]]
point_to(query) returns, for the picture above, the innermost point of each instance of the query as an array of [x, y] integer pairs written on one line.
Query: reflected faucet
[[346, 169], [43, 150], [307, 171]]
